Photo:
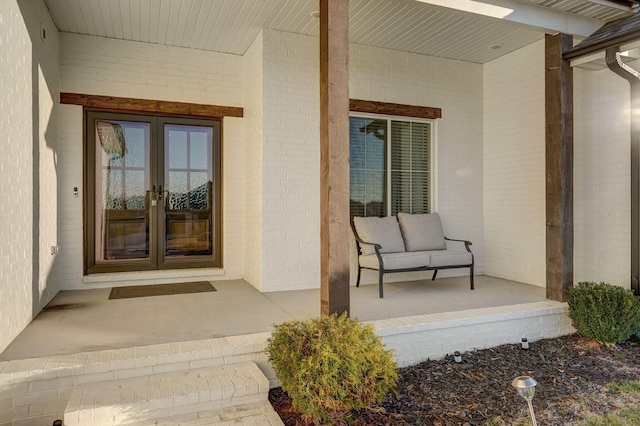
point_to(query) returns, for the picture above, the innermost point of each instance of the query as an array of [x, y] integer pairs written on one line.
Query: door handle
[[154, 194]]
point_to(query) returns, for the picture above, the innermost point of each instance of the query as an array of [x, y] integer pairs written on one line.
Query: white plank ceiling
[[231, 25]]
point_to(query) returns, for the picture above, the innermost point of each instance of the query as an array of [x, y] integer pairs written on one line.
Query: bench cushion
[[441, 258], [380, 230], [404, 260], [417, 259], [422, 231]]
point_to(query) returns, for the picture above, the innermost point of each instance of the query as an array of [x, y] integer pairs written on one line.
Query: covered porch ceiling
[[469, 30]]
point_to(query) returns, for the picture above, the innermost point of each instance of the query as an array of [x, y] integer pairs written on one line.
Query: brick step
[[143, 400], [255, 414]]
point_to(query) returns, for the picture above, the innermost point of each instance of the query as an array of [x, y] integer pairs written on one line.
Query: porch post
[[334, 157], [559, 166]]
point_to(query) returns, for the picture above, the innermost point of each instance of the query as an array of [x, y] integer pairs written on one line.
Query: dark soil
[[573, 375]]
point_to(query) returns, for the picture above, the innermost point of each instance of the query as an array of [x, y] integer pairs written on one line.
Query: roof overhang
[[528, 15], [623, 33]]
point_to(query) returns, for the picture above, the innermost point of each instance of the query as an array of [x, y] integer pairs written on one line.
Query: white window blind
[[410, 167]]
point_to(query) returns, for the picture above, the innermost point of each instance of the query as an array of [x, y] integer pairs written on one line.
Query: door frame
[[156, 223]]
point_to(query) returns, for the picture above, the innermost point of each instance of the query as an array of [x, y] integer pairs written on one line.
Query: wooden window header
[[186, 109], [148, 106], [386, 108]]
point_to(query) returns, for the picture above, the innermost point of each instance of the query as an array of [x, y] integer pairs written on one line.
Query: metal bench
[[410, 242]]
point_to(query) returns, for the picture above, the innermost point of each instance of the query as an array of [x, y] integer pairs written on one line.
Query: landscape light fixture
[[526, 387]]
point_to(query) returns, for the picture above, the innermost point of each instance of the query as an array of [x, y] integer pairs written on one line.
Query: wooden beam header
[[527, 15], [149, 106], [386, 108]]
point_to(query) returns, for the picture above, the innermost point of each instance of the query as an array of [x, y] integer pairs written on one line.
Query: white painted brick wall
[[416, 339], [291, 162], [514, 166], [253, 99], [28, 153], [16, 167], [514, 194], [602, 177], [70, 174], [233, 180], [101, 66], [292, 156], [281, 92], [455, 87], [490, 150]]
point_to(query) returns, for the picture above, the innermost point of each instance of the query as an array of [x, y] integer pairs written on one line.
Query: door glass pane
[[177, 190], [121, 187], [199, 194], [177, 149], [134, 189], [199, 150], [188, 182]]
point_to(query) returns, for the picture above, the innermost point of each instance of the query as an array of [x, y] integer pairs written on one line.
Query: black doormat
[[160, 290]]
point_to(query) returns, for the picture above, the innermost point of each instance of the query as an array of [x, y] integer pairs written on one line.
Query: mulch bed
[[573, 374]]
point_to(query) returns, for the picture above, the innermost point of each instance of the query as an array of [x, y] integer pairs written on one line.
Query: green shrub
[[603, 312], [331, 365]]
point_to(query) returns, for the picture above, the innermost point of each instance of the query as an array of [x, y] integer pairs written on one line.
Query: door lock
[[154, 196]]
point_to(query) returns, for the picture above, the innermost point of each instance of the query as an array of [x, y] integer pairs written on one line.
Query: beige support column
[[559, 166], [334, 156]]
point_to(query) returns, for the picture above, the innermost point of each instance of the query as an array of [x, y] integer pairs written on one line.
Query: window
[[390, 165], [154, 192]]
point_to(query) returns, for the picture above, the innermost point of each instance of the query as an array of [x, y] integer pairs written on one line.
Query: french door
[[153, 193]]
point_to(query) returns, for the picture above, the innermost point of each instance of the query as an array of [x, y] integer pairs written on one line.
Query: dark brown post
[[334, 156], [559, 166]]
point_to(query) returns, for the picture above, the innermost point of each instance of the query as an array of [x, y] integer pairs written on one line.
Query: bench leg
[[434, 275], [380, 283], [358, 280], [471, 276]]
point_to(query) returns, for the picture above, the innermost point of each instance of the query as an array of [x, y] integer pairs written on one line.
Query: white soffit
[[474, 31]]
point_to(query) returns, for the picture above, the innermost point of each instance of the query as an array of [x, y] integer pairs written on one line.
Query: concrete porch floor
[[86, 320]]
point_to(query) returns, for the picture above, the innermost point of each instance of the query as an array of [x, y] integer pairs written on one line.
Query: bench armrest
[[376, 245], [466, 242], [360, 241]]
